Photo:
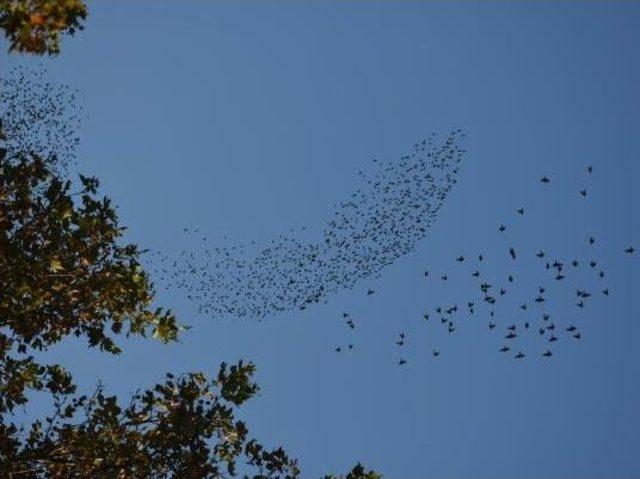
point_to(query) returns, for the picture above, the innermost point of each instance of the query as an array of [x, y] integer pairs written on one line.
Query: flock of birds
[[518, 313], [379, 223], [41, 117], [382, 221]]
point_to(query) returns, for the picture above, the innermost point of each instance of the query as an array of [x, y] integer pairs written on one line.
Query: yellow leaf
[[55, 265]]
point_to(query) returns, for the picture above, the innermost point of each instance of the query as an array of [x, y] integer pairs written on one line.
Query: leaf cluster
[[36, 26]]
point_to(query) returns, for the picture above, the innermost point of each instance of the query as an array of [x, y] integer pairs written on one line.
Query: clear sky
[[248, 118]]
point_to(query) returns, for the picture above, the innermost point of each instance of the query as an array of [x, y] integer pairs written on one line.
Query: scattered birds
[[533, 318]]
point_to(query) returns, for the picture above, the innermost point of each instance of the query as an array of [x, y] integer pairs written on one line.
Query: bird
[[504, 349], [630, 250], [502, 228], [402, 362], [460, 259], [583, 193], [545, 179], [512, 252], [547, 353], [520, 355], [435, 353], [520, 211]]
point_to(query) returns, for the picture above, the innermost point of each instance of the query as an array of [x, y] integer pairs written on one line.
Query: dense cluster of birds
[[521, 316], [41, 117], [381, 221]]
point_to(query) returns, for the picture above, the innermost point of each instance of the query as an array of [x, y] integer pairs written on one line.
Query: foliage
[[183, 427], [36, 26], [358, 472], [63, 272]]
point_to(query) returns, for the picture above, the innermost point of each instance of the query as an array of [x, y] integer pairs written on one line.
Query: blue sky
[[248, 118]]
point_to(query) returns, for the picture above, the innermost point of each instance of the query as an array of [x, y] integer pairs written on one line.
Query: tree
[[66, 273], [36, 26]]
